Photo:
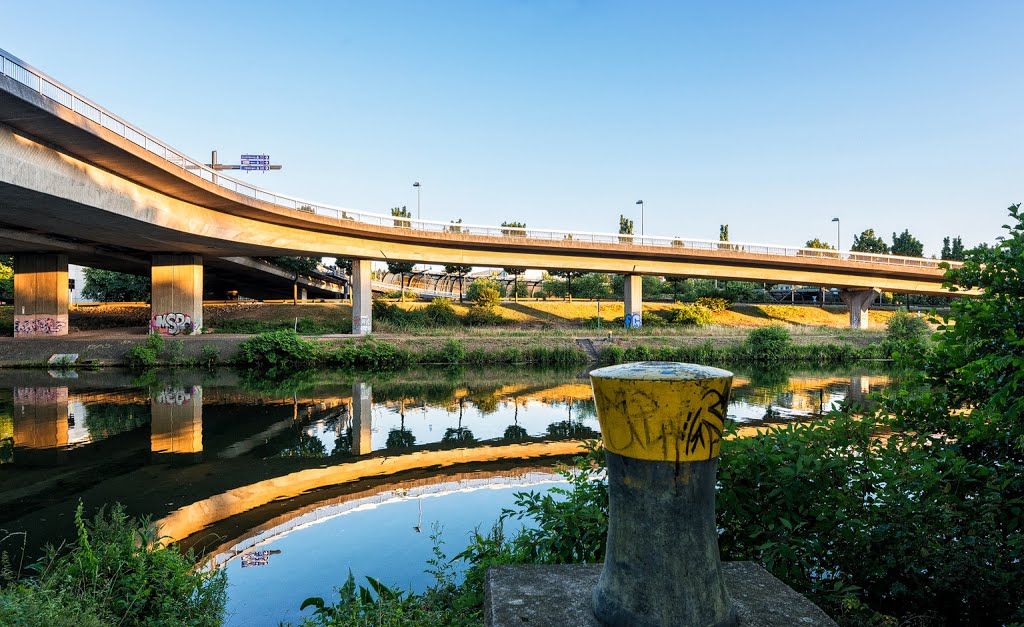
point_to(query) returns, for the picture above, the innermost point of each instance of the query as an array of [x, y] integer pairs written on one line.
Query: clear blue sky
[[772, 117]]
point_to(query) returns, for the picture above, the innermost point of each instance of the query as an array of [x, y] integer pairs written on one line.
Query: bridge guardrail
[[25, 74]]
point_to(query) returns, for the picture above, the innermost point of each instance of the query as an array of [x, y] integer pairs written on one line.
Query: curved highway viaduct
[[79, 184]]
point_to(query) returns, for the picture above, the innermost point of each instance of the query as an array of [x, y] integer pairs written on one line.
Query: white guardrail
[[34, 79]]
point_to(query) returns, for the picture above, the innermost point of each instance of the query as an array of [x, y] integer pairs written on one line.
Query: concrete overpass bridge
[[79, 184]]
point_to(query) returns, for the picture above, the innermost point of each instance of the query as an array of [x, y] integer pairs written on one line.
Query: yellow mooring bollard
[[661, 423]]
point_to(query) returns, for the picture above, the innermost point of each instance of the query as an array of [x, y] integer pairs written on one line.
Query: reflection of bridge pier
[[860, 388], [40, 425], [177, 424], [362, 418]]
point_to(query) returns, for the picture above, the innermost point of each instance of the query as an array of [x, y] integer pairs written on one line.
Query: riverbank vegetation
[[909, 514], [116, 572]]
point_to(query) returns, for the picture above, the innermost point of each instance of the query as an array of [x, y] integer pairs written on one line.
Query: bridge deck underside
[[49, 194]]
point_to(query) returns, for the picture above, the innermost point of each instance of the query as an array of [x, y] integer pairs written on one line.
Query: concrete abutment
[[177, 302], [40, 295], [859, 301]]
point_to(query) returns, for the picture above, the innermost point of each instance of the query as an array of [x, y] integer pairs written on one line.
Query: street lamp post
[[417, 186], [839, 243], [641, 203]]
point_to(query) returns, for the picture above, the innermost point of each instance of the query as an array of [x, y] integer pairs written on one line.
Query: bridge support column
[[177, 301], [362, 295], [40, 295], [362, 421], [633, 301], [859, 301], [177, 424]]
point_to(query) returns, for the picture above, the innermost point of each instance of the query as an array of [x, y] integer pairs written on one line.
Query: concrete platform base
[[561, 595]]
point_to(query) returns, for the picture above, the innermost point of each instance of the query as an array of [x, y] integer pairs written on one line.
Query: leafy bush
[[383, 311], [368, 354], [770, 343], [145, 355], [692, 314], [278, 349], [453, 352], [117, 572], [906, 335], [480, 316], [209, 356], [715, 303], [484, 292], [440, 312]]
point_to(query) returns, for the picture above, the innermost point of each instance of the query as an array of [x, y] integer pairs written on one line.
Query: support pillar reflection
[[362, 420], [40, 425], [177, 424]]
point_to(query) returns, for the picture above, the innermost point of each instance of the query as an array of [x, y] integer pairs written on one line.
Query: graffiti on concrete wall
[[634, 321], [172, 323], [41, 395], [39, 326], [177, 395]]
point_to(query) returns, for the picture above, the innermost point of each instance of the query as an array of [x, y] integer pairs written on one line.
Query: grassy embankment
[[543, 332]]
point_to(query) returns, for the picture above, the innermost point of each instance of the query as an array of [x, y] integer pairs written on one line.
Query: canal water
[[290, 483]]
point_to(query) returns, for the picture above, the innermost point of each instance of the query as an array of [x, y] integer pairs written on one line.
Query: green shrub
[[383, 311], [692, 314], [480, 316], [145, 355], [368, 354], [441, 313], [770, 343], [176, 351], [278, 349], [906, 336], [612, 354], [117, 572], [484, 292], [453, 352], [209, 356], [713, 303]]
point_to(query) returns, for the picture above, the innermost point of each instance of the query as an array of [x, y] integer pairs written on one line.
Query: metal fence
[[34, 79]]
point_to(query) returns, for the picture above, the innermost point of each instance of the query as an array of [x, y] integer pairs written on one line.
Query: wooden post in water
[[661, 424]]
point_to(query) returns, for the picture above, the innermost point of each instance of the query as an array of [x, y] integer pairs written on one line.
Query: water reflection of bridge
[[44, 416], [203, 451]]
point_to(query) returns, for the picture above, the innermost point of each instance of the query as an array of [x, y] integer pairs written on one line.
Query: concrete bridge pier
[[177, 424], [362, 420], [633, 301], [859, 301], [177, 302], [362, 295], [40, 295]]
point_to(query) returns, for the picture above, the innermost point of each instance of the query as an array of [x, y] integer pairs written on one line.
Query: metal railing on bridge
[[25, 74]]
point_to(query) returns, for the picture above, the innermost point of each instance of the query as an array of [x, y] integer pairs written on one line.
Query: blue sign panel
[[256, 558], [255, 156], [256, 167]]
